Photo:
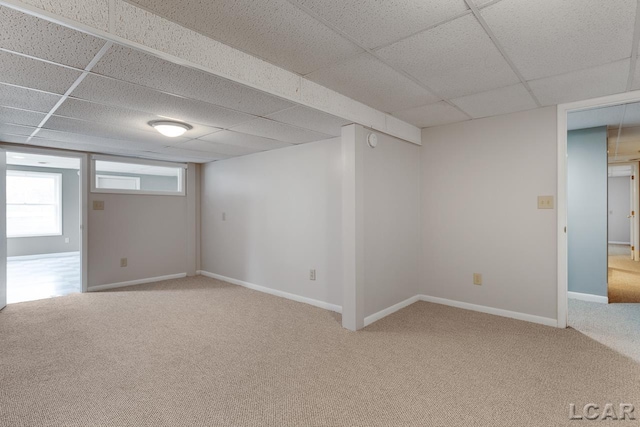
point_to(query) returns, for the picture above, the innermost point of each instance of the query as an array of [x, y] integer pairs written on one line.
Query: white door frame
[[84, 200], [563, 109]]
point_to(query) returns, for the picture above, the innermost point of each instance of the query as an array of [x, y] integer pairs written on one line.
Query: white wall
[[283, 218], [150, 231], [619, 207], [481, 180], [392, 221]]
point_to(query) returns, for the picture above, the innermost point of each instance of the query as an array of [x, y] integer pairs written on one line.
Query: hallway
[[623, 276], [32, 279]]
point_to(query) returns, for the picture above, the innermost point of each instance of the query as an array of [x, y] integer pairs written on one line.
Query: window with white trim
[[136, 176], [34, 204]]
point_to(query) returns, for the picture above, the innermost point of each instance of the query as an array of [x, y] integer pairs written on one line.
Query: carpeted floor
[[615, 325], [624, 276], [198, 352]]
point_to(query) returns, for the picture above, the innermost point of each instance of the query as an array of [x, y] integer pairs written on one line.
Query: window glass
[[125, 177], [34, 205]]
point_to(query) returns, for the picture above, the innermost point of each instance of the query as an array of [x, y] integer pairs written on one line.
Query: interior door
[[3, 229]]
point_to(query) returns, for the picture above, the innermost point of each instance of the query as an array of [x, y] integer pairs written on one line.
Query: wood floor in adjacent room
[[623, 276], [199, 352]]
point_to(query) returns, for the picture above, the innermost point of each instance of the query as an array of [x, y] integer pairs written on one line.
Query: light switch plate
[[545, 202], [98, 205]]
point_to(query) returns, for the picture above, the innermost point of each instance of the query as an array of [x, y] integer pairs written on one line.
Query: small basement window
[[137, 176]]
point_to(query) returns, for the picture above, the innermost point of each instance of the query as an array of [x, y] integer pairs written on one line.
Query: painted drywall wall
[[21, 246], [587, 210], [282, 218], [480, 182], [619, 207], [391, 220]]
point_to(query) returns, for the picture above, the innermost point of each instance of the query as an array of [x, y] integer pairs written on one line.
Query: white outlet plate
[[545, 202], [312, 275], [477, 279]]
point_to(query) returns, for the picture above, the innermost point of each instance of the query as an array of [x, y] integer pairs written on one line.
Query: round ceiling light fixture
[[170, 128]]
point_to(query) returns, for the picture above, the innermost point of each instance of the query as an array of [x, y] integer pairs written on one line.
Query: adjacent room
[[319, 213]]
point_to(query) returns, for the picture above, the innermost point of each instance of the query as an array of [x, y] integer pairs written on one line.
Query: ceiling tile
[[594, 117], [598, 81], [179, 153], [18, 97], [219, 148], [497, 101], [549, 37], [20, 117], [103, 130], [309, 118], [279, 131], [274, 30], [253, 142], [13, 139], [632, 115], [16, 129], [375, 23], [31, 73], [100, 144], [43, 39], [454, 59], [636, 77], [119, 117], [105, 90], [138, 67], [436, 114], [372, 82]]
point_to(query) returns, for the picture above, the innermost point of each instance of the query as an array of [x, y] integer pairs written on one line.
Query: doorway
[[45, 213]]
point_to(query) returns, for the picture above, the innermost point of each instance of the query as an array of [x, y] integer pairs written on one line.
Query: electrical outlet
[[545, 202], [123, 262], [98, 205], [66, 240], [477, 279], [312, 275], [224, 216]]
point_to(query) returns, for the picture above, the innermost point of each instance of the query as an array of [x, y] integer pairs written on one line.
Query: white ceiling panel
[[121, 94], [16, 129], [13, 139], [549, 37], [374, 83], [120, 117], [99, 144], [20, 117], [18, 97], [436, 114], [274, 30], [253, 142], [593, 82], [87, 147], [309, 118], [636, 77], [36, 37], [454, 59], [141, 68], [184, 154], [218, 148], [102, 130], [497, 101], [375, 23], [31, 73], [279, 131], [607, 116]]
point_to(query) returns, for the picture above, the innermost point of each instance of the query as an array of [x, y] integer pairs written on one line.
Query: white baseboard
[[620, 243], [39, 256], [491, 310], [588, 297], [389, 310], [136, 282], [287, 295]]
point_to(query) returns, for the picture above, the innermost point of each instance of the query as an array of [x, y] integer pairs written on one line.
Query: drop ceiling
[[433, 62], [426, 62], [65, 89]]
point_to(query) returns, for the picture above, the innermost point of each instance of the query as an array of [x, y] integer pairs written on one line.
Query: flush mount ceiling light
[[169, 128]]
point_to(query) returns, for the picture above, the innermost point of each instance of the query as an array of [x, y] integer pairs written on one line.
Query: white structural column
[[352, 229], [128, 25]]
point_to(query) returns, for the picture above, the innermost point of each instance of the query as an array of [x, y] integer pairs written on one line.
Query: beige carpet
[[624, 276], [197, 352]]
